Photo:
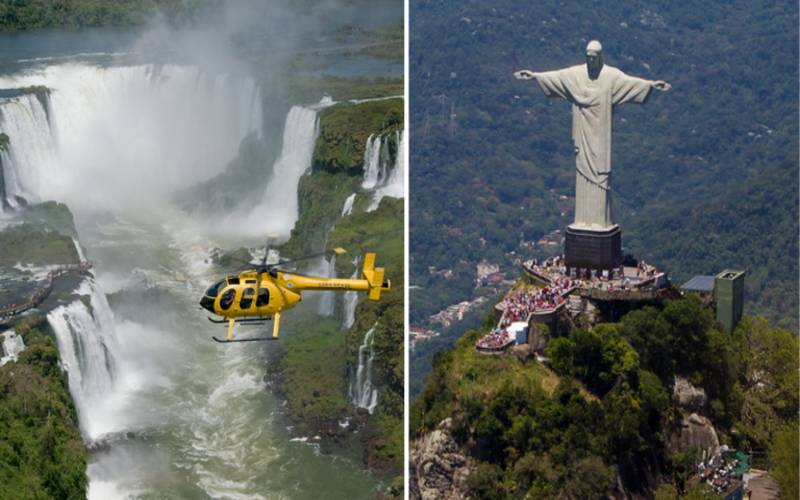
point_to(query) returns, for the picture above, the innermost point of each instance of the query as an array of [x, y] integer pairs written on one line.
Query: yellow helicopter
[[258, 295]]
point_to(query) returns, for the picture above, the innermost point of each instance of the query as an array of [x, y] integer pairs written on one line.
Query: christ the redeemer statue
[[593, 90]]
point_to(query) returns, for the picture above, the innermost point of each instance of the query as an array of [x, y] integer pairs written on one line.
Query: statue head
[[594, 58]]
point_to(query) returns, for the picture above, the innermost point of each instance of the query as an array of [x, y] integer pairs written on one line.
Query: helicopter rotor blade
[[337, 251]]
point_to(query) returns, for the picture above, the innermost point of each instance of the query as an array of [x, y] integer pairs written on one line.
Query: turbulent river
[[166, 411], [189, 417]]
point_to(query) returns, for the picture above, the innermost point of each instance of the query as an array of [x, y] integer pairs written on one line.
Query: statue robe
[[592, 102]]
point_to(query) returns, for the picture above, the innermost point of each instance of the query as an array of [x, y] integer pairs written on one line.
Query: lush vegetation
[[539, 433], [312, 378], [380, 231], [321, 196], [320, 359], [705, 176], [421, 357], [309, 89], [52, 215], [3, 142], [35, 244], [344, 129], [22, 15], [41, 451]]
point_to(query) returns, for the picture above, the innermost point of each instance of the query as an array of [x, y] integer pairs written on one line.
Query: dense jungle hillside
[[606, 418], [705, 176]]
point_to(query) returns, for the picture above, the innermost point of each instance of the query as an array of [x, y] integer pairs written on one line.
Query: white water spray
[[347, 209], [86, 341], [394, 186], [362, 393], [12, 346], [350, 301], [327, 299], [119, 135], [372, 160], [31, 150], [277, 212]]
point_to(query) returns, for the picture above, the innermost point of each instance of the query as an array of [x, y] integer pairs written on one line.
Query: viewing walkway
[[537, 304], [10, 311], [552, 289]]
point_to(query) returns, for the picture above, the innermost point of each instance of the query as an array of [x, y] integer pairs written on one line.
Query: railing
[[11, 310]]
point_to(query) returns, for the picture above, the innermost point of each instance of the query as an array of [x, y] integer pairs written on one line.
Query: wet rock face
[[694, 431], [688, 396], [438, 467]]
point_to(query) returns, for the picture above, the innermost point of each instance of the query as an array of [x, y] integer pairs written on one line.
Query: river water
[[167, 412], [189, 417]]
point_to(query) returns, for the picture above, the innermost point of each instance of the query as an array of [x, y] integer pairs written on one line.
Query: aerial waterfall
[[31, 150], [394, 185], [12, 346], [350, 301], [362, 393], [152, 123], [87, 344], [347, 209], [278, 210], [327, 298], [372, 162]]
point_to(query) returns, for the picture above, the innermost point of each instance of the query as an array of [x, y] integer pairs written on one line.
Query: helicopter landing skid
[[257, 321], [257, 339]]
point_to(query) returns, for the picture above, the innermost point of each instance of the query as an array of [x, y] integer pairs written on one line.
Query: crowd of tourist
[[614, 279], [496, 339], [720, 470], [520, 304], [11, 310]]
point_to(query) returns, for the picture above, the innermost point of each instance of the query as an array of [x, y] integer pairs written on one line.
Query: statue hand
[[661, 85], [524, 74]]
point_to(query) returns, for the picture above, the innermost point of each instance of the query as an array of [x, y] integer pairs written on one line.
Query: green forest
[[605, 408], [24, 15], [316, 362], [704, 176]]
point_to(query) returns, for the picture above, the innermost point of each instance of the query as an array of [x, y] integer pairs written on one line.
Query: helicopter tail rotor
[[374, 275]]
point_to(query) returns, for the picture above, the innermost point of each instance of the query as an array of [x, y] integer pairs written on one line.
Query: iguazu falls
[[138, 166]]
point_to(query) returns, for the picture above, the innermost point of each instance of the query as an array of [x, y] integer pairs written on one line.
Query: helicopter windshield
[[213, 290]]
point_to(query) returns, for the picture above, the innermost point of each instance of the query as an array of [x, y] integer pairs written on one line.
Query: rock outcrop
[[694, 431], [438, 468], [688, 396]]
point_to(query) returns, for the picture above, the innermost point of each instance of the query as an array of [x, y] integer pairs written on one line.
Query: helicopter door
[[247, 298]]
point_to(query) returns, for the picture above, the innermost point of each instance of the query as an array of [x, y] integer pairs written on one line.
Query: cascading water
[[362, 393], [152, 123], [350, 301], [31, 149], [394, 186], [372, 160], [327, 299], [277, 212], [178, 418], [347, 209], [87, 343], [12, 346]]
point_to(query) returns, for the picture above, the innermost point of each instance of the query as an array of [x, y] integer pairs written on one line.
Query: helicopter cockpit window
[[213, 290], [247, 298], [263, 297], [233, 280], [227, 298]]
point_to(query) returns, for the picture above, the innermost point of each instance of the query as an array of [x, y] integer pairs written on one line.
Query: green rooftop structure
[[729, 297]]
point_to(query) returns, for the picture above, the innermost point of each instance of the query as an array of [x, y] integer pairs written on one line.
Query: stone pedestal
[[593, 249]]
